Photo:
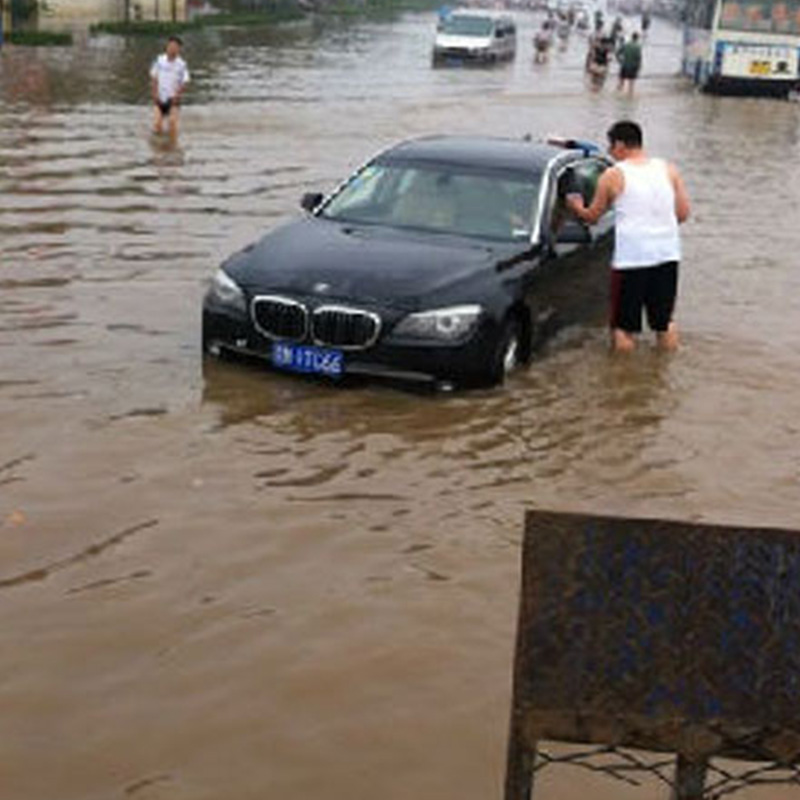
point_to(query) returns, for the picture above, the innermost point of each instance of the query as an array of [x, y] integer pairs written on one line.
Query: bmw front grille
[[285, 319], [346, 328], [279, 317]]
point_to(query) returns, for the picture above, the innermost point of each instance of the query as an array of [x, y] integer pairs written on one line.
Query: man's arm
[[154, 80], [181, 85], [607, 190], [682, 207]]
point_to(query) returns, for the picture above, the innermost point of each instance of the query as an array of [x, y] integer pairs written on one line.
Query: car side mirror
[[574, 231], [311, 200]]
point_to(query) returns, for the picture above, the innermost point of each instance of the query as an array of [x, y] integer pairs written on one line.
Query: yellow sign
[[760, 68]]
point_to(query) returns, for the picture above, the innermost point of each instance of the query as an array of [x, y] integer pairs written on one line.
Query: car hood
[[313, 256]]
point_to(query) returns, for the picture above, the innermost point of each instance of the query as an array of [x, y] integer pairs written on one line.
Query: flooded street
[[221, 582]]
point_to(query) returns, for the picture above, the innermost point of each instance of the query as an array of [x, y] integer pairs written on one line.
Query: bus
[[743, 46]]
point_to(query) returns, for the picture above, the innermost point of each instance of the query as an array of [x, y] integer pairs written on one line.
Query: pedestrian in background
[[542, 42], [645, 23], [168, 78], [630, 62], [650, 201], [598, 56]]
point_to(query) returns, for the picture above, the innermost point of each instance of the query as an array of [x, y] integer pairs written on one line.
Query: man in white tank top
[[650, 201]]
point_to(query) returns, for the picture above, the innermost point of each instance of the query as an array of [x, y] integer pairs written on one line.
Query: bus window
[[771, 16]]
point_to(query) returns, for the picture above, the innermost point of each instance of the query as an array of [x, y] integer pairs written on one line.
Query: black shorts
[[629, 73], [164, 107], [653, 289]]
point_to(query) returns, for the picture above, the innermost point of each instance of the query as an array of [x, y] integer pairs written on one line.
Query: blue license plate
[[308, 359]]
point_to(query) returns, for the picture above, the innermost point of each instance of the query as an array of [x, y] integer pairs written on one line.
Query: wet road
[[218, 582]]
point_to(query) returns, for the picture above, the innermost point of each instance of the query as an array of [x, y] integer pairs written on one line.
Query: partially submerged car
[[469, 35], [443, 259]]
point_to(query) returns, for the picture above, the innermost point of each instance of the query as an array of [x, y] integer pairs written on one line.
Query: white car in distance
[[467, 35]]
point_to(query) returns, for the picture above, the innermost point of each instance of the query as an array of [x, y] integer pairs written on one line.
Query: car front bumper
[[226, 330]]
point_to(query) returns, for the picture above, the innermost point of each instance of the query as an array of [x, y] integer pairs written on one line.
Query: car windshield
[[466, 26], [493, 204]]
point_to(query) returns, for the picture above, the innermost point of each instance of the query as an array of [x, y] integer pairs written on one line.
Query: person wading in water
[[650, 201], [630, 62], [168, 78]]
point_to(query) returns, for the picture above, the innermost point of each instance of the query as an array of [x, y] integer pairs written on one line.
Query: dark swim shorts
[[164, 107], [653, 289], [629, 73]]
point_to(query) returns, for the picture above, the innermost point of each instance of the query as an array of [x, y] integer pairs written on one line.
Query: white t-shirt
[[171, 75]]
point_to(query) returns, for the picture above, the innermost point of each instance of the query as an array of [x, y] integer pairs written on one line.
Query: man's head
[[624, 137], [174, 45], [635, 36]]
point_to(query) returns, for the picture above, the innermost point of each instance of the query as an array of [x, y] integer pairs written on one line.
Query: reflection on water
[[320, 595]]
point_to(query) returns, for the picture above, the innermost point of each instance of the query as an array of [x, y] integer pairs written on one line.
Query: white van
[[467, 35]]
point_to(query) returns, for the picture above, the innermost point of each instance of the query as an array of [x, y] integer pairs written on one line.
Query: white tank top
[[646, 232]]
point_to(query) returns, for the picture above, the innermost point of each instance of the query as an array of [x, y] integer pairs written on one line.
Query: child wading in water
[[168, 78]]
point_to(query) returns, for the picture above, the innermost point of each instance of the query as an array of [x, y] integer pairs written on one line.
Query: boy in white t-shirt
[[168, 78]]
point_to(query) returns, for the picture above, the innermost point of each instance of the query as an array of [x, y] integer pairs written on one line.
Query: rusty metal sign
[[672, 637]]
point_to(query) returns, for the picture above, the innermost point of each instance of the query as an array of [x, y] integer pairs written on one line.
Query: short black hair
[[627, 132], [175, 38]]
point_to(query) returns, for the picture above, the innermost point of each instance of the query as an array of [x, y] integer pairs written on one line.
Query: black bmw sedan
[[443, 259]]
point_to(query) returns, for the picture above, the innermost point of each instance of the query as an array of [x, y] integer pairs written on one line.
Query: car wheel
[[508, 353]]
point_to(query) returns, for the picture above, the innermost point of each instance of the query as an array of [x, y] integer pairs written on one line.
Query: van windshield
[[466, 26]]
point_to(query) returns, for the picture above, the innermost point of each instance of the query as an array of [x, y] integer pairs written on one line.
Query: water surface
[[219, 582]]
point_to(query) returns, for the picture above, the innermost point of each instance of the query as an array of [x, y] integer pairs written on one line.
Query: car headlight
[[226, 291], [440, 324]]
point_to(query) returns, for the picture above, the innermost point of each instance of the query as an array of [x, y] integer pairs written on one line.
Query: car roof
[[478, 151]]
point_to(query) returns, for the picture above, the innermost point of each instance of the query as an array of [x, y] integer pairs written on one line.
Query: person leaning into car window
[[650, 201]]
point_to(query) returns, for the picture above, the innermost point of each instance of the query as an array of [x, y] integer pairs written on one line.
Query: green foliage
[[39, 38], [354, 8], [143, 28]]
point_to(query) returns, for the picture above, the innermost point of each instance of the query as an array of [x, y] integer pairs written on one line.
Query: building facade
[[88, 11]]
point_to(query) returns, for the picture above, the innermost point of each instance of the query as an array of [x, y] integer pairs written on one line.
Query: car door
[[572, 284]]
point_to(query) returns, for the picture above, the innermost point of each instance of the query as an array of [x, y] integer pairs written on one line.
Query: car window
[[585, 176], [581, 177], [365, 187]]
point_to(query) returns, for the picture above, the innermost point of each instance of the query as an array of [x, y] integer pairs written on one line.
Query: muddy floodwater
[[221, 582]]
